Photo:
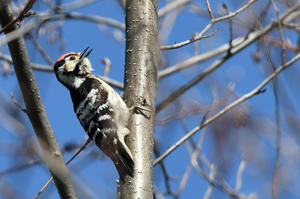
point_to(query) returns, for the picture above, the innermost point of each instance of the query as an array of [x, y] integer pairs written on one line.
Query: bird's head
[[72, 65]]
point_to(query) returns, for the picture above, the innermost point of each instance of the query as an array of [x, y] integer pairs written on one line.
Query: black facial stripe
[[58, 64], [76, 69]]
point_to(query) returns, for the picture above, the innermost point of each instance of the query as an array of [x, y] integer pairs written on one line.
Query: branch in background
[[35, 109], [86, 143], [193, 158], [47, 68], [237, 45], [239, 174], [245, 97], [17, 103], [172, 6], [197, 162], [41, 18], [24, 13], [91, 18], [209, 10], [286, 17], [196, 37], [167, 177], [40, 49], [106, 61], [122, 3], [208, 26], [211, 176], [20, 167], [277, 110]]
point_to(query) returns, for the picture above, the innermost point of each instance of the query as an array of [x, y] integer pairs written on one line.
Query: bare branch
[[86, 143], [16, 103], [47, 68], [208, 26], [41, 18], [289, 15], [209, 10], [196, 37], [245, 97], [23, 14], [96, 19], [212, 174], [237, 46], [239, 181], [40, 49], [277, 114], [172, 6], [35, 108]]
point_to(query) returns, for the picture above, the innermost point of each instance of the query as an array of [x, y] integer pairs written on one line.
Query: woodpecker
[[100, 110]]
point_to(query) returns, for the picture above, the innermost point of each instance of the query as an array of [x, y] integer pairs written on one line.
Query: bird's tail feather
[[123, 161]]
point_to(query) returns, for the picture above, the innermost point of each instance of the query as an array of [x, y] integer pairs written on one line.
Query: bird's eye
[[72, 58]]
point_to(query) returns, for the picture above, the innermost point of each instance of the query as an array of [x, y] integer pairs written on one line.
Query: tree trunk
[[35, 109], [142, 53]]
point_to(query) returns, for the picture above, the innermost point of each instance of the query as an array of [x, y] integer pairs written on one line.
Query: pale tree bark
[[35, 109], [142, 53]]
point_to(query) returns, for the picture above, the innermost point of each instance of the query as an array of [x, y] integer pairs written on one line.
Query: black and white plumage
[[100, 110]]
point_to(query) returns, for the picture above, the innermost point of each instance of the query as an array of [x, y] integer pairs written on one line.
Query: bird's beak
[[83, 52]]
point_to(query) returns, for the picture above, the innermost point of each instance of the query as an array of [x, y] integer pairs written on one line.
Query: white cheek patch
[[70, 66]]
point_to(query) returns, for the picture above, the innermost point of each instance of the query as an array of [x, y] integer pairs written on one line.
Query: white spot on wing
[[103, 106], [82, 111], [93, 95], [104, 117], [108, 130], [115, 141]]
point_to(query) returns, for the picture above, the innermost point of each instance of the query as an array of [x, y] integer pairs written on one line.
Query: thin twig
[[199, 167], [284, 18], [106, 61], [211, 176], [277, 114], [196, 37], [230, 26], [239, 174], [17, 103], [24, 13], [245, 97], [167, 178], [68, 162], [20, 167], [41, 18], [172, 6], [283, 55], [237, 46], [208, 26], [40, 49], [209, 10], [188, 170]]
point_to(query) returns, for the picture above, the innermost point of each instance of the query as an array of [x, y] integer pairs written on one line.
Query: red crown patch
[[62, 56]]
